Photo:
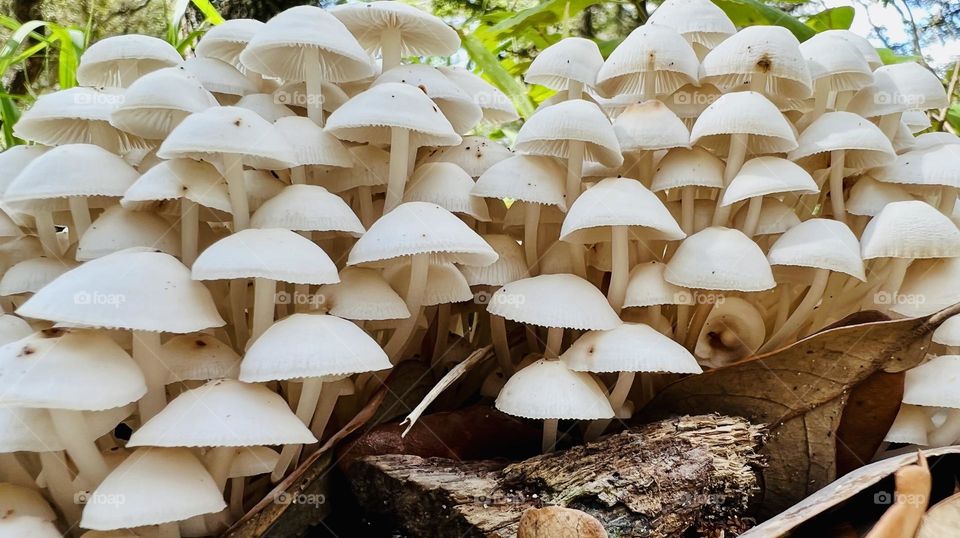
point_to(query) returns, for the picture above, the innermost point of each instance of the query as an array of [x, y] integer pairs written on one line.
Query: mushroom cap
[[31, 430], [649, 126], [647, 287], [570, 59], [690, 100], [910, 426], [261, 186], [761, 176], [864, 144], [371, 168], [948, 333], [136, 289], [836, 63], [718, 258], [307, 208], [370, 117], [911, 229], [32, 274], [510, 265], [311, 345], [456, 105], [923, 141], [198, 357], [118, 229], [76, 116], [157, 486], [272, 253], [535, 179], [618, 201], [747, 113], [196, 181], [362, 294], [933, 166], [445, 283], [157, 102], [631, 347], [933, 383], [688, 167], [252, 461], [917, 121], [448, 186], [547, 389], [549, 132], [224, 412], [776, 217], [68, 369], [227, 40], [475, 155], [219, 77], [104, 61], [266, 106], [28, 527], [420, 228], [311, 144], [496, 106], [279, 48], [560, 300], [868, 196], [13, 328], [700, 22], [671, 56], [421, 34], [897, 88], [929, 286], [734, 329], [821, 244], [14, 159], [207, 135], [19, 501], [771, 51], [860, 43]]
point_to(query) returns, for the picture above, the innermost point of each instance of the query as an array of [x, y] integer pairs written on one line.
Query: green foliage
[[754, 12], [838, 18]]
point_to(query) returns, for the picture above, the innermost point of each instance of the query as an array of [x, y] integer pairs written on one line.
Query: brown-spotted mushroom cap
[[772, 52], [455, 104], [528, 178], [475, 155], [631, 347], [648, 47]]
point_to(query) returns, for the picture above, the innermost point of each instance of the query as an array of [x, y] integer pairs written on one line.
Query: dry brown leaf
[[800, 393], [943, 519], [871, 409]]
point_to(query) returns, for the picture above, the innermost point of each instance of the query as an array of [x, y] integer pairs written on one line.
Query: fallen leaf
[[943, 519], [800, 393], [871, 409]]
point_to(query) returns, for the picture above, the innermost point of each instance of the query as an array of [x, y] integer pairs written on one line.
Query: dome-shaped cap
[[768, 175], [219, 77], [865, 48], [769, 51], [650, 45], [157, 102], [744, 113], [496, 106], [198, 357], [868, 196], [421, 34], [688, 167], [445, 283], [455, 104], [311, 144], [19, 501], [650, 126], [618, 201], [510, 265], [271, 253], [835, 63], [718, 258], [14, 159], [911, 229], [549, 131], [228, 130], [547, 389], [923, 141], [224, 412], [307, 208], [118, 229], [776, 217], [647, 287], [227, 40], [910, 426], [421, 228], [311, 345], [919, 87], [864, 144], [631, 347], [931, 286], [700, 22], [528, 178], [948, 333], [933, 383], [196, 181], [560, 300], [371, 168], [448, 186], [917, 121], [475, 155], [32, 274], [362, 294], [252, 461], [157, 486], [68, 369], [13, 328], [284, 47], [265, 105], [370, 116], [821, 244], [136, 289], [570, 59], [934, 166], [117, 61]]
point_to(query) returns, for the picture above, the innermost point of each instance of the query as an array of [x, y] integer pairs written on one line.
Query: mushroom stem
[[80, 214], [419, 267], [578, 259], [60, 484], [891, 285], [620, 271], [554, 342], [842, 100], [168, 530], [314, 84], [218, 462], [325, 406], [189, 231], [821, 96], [47, 233], [298, 175], [237, 484], [575, 151], [753, 216], [683, 322], [687, 201], [889, 123], [236, 186], [574, 89], [783, 306], [498, 333], [948, 200], [390, 48], [549, 435], [443, 332], [531, 221], [837, 158], [399, 149], [649, 90], [146, 352], [71, 428], [366, 205], [738, 151], [12, 471], [801, 315], [306, 407], [618, 396], [264, 293], [238, 300], [700, 314]]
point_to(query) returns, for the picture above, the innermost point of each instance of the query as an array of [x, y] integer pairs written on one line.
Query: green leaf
[[9, 114], [69, 56], [753, 13], [497, 75], [549, 12], [838, 18], [210, 13], [953, 116], [888, 57]]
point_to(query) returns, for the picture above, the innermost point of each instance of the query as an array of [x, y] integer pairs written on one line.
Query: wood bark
[[693, 474]]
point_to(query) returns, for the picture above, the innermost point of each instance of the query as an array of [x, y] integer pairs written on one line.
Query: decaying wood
[[689, 474]]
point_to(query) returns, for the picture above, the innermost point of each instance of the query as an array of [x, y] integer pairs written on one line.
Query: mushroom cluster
[[226, 254]]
